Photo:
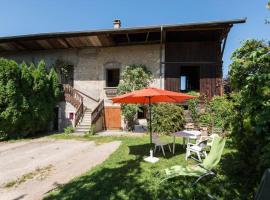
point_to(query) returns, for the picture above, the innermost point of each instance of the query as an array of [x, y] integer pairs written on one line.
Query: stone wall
[[90, 63], [90, 66]]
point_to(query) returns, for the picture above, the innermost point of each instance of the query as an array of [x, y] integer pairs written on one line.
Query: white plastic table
[[192, 134]]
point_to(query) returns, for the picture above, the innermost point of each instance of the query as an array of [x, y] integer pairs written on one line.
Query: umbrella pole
[[150, 122]]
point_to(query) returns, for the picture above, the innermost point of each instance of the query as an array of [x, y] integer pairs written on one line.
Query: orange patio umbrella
[[149, 96]]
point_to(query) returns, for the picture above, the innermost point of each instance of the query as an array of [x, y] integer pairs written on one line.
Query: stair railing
[[97, 112], [75, 99]]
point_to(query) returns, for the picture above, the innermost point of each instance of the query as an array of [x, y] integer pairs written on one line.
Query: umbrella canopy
[[152, 95], [149, 96]]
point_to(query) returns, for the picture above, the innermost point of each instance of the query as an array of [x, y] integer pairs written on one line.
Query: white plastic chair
[[160, 144], [198, 149]]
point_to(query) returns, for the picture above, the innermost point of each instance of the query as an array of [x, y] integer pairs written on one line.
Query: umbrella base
[[151, 159]]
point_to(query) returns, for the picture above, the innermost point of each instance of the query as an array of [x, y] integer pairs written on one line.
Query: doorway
[[56, 119], [189, 79], [112, 117]]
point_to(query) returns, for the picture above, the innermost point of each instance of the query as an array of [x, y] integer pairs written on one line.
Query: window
[[113, 76], [189, 78], [142, 112]]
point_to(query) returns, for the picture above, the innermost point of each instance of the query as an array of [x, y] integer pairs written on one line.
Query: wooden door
[[113, 117]]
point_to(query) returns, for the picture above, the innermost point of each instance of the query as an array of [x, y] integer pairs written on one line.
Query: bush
[[217, 112], [250, 81], [134, 77], [167, 118], [28, 95], [68, 130], [92, 130]]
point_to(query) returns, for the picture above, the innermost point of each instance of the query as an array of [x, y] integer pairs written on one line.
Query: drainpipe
[[161, 56]]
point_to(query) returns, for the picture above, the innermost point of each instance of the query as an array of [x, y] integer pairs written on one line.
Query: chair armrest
[[190, 144]]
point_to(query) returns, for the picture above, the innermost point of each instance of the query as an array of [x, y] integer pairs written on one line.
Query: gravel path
[[43, 164]]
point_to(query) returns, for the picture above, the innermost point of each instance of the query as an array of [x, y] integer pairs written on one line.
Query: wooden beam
[[147, 36], [128, 39], [45, 44], [67, 43], [225, 36], [95, 41], [23, 45], [106, 40], [63, 43], [7, 46], [18, 46], [223, 46], [73, 42]]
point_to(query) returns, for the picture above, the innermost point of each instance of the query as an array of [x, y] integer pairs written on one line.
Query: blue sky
[[35, 16]]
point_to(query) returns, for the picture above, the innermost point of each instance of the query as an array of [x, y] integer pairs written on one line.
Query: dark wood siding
[[172, 73], [206, 55]]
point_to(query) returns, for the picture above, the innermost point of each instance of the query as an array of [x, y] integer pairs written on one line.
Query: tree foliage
[[133, 77], [28, 95], [250, 80], [217, 112], [167, 118]]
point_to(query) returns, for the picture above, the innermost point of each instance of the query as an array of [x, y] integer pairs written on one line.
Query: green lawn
[[126, 176]]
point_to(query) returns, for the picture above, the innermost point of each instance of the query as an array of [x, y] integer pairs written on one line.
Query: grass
[[39, 173], [124, 175]]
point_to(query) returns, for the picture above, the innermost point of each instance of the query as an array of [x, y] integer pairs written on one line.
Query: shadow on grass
[[234, 181], [143, 151], [126, 176]]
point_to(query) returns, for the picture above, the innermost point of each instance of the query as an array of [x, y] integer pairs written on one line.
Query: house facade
[[182, 58]]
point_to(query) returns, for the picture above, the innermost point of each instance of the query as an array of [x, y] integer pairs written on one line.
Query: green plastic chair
[[202, 170]]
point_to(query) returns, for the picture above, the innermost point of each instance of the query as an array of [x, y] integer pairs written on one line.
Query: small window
[[113, 76]]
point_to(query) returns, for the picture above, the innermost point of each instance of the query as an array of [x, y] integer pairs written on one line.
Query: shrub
[[194, 110], [92, 130], [221, 109], [69, 130], [134, 77], [28, 95], [217, 112], [167, 118], [250, 80]]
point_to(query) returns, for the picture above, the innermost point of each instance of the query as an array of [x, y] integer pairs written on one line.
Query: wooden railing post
[[97, 112]]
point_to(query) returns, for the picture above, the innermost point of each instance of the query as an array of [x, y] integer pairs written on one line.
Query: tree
[[250, 79], [28, 96], [134, 77]]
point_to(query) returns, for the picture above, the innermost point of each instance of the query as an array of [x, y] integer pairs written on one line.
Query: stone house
[[181, 57]]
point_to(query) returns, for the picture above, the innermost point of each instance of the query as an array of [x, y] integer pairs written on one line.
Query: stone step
[[84, 126], [82, 129], [86, 117], [86, 121]]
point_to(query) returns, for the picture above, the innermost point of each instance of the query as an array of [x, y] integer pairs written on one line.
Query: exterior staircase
[[85, 124], [84, 117]]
